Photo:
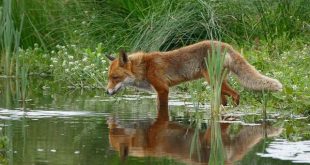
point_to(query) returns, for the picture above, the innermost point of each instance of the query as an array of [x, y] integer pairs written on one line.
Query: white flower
[[70, 57], [54, 60], [84, 59], [64, 63], [87, 67]]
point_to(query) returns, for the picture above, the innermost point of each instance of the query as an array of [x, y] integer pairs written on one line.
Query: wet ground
[[87, 127]]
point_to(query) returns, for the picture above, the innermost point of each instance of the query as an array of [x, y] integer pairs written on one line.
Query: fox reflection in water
[[163, 138]]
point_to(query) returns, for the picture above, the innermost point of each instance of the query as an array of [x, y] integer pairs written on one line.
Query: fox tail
[[248, 76]]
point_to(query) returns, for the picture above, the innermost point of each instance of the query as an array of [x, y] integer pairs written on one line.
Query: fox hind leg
[[226, 90]]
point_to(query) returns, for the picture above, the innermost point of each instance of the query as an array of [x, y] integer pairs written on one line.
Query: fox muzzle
[[112, 91]]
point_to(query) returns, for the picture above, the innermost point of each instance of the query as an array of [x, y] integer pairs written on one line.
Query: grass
[[215, 63], [291, 71], [7, 34], [154, 25], [217, 73], [10, 37], [61, 39]]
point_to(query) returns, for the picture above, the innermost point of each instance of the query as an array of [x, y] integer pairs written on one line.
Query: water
[[86, 127]]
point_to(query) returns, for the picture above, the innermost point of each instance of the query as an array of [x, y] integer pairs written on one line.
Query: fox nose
[[110, 92]]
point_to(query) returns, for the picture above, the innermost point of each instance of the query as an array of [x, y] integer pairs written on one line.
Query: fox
[[157, 71]]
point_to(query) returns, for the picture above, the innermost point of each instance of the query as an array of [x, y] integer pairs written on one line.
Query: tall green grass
[[216, 71], [10, 36], [162, 25], [151, 25], [157, 25], [7, 33]]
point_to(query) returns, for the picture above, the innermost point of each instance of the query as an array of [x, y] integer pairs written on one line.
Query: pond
[[62, 126]]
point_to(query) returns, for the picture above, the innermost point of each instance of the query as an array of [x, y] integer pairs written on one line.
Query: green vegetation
[[66, 40], [4, 141], [215, 64]]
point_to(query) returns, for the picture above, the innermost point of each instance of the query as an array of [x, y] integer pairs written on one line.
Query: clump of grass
[[157, 25], [7, 36], [163, 25], [196, 142], [216, 71]]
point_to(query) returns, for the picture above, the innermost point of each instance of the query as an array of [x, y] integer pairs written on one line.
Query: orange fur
[[161, 70]]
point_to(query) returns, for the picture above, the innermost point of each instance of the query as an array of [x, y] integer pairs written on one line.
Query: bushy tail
[[248, 76]]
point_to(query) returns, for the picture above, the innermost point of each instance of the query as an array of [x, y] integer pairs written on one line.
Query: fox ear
[[123, 58]]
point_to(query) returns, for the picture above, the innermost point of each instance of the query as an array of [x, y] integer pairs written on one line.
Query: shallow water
[[87, 127]]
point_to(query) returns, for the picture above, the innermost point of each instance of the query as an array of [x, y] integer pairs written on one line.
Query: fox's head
[[120, 74]]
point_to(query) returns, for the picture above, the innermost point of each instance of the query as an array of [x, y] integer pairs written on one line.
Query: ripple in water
[[297, 152]]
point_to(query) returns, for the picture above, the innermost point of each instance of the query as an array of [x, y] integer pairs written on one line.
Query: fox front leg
[[162, 91]]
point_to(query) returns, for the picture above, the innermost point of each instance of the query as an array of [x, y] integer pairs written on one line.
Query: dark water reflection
[[86, 127], [174, 140]]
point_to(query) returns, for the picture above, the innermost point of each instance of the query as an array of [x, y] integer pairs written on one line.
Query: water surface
[[87, 127]]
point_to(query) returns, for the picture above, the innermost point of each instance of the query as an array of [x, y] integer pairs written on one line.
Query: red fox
[[161, 70]]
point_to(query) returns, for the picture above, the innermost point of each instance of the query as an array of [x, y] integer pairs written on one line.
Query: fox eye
[[115, 77]]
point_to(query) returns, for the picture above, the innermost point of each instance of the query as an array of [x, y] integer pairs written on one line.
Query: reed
[[196, 141], [9, 40], [214, 63], [7, 37]]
